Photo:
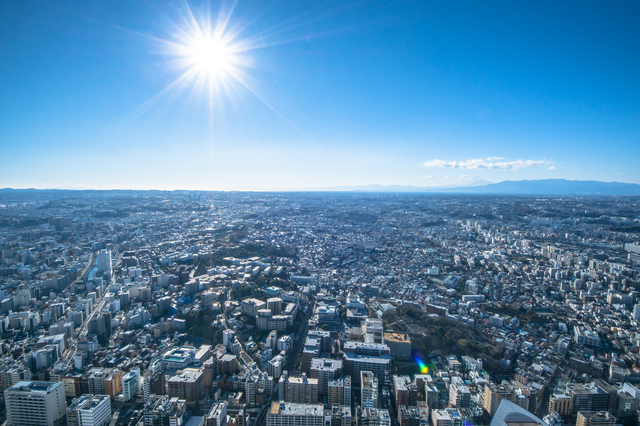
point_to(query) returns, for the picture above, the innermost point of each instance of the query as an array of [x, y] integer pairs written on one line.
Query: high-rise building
[[89, 410], [292, 414], [459, 395], [325, 370], [406, 391], [431, 394], [113, 382], [588, 397], [209, 371], [228, 364], [440, 418], [93, 382], [274, 304], [262, 319], [153, 383], [345, 415], [227, 338], [323, 338], [302, 390], [272, 340], [100, 325], [275, 367], [217, 415], [493, 395], [13, 374], [378, 365], [72, 385], [130, 384], [385, 417], [368, 390], [35, 403], [163, 411], [340, 415], [595, 418], [368, 416], [561, 403], [103, 260], [408, 416], [346, 380], [186, 384], [335, 390], [399, 344]]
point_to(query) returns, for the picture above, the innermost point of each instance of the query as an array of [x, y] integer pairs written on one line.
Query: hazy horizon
[[373, 188]]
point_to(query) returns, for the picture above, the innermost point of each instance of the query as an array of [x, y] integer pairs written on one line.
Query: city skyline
[[298, 95]]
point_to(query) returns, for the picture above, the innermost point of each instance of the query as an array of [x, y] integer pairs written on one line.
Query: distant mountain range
[[522, 187], [508, 187], [559, 186]]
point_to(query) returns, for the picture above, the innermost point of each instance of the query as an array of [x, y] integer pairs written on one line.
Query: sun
[[212, 57], [207, 53], [211, 53]]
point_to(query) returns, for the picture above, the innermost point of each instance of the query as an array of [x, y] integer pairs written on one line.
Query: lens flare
[[424, 367]]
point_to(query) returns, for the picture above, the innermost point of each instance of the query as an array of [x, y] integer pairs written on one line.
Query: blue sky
[[325, 94]]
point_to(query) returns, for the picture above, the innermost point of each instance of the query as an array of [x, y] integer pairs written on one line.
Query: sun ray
[[213, 54]]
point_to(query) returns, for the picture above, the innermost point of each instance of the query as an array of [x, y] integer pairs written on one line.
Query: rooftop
[[292, 409]]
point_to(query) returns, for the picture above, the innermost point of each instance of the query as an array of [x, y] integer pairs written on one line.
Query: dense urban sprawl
[[318, 309]]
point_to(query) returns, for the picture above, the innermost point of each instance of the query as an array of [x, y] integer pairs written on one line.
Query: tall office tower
[[89, 410], [368, 390], [35, 403], [103, 259]]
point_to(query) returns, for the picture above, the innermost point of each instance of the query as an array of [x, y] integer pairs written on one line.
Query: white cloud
[[551, 167], [426, 177], [465, 177], [495, 163], [622, 173]]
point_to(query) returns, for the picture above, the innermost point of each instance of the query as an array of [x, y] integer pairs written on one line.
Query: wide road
[[97, 308], [543, 408], [299, 341]]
